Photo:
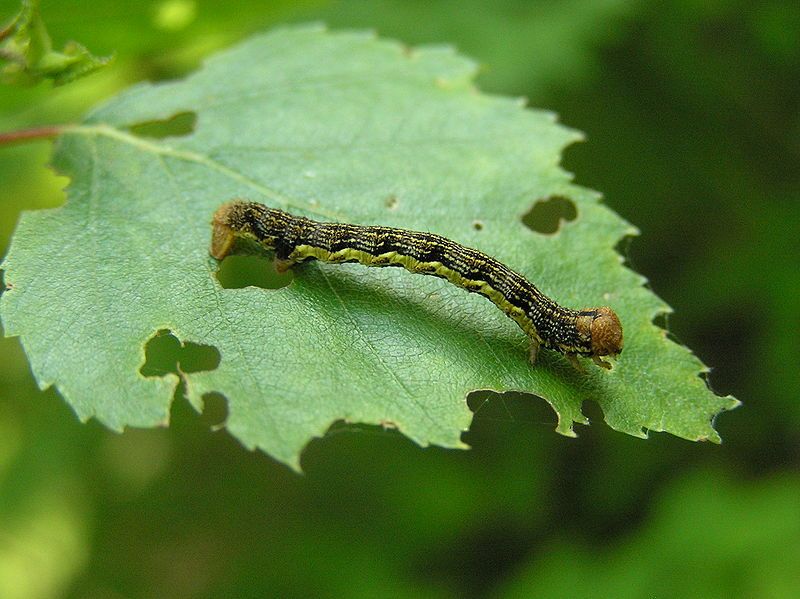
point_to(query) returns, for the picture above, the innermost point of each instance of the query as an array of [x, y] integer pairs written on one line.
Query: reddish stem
[[14, 137], [4, 33]]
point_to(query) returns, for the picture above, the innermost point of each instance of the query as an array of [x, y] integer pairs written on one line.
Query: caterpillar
[[593, 333]]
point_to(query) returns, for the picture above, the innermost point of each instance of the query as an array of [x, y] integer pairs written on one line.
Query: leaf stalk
[[9, 138]]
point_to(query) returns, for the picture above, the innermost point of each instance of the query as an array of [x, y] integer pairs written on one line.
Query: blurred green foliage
[[690, 112], [699, 541], [29, 55]]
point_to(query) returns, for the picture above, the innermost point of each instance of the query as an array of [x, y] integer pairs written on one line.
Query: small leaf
[[334, 126], [28, 50]]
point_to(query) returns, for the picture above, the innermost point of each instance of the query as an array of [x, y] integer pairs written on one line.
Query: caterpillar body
[[593, 332]]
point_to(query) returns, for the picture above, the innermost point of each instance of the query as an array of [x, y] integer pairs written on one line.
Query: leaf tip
[[564, 427]]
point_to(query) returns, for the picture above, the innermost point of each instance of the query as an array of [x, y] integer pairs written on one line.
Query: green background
[[690, 112]]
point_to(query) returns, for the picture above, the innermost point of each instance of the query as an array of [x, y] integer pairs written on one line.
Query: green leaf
[[29, 52], [334, 126]]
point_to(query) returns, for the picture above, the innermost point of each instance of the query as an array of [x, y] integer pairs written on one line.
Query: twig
[[14, 137]]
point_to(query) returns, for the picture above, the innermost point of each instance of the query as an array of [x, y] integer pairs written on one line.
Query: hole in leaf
[[340, 427], [662, 320], [623, 248], [215, 410], [592, 410], [499, 414], [511, 406], [236, 272], [546, 215], [178, 125], [165, 354]]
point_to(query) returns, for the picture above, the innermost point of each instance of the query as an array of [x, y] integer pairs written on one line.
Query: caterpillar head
[[222, 236], [604, 330]]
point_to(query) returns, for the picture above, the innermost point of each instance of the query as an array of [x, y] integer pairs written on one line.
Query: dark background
[[692, 116]]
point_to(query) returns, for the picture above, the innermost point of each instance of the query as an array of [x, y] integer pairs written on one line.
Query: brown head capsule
[[606, 332], [222, 236], [602, 330]]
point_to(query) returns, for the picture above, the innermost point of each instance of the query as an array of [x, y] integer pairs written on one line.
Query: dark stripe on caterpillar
[[592, 332]]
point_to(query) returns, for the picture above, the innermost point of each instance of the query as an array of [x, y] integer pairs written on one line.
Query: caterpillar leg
[[534, 351], [283, 264], [573, 359], [601, 363]]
